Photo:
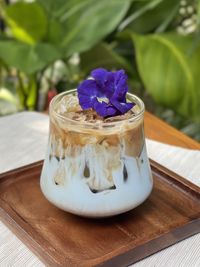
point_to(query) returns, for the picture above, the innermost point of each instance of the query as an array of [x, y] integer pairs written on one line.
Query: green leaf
[[54, 8], [26, 58], [32, 94], [6, 95], [86, 23], [137, 10], [169, 71], [145, 16], [55, 33], [27, 21], [102, 55], [78, 25]]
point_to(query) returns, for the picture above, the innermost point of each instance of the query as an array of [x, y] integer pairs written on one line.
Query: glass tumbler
[[96, 169]]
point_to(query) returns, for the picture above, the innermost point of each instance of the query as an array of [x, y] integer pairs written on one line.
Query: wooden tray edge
[[147, 249], [178, 179], [33, 244]]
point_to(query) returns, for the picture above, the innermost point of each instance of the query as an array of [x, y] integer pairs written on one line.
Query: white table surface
[[23, 139]]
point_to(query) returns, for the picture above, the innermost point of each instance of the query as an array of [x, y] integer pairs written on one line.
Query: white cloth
[[23, 140]]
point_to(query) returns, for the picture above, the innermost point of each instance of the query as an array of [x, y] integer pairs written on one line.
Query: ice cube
[[68, 103]]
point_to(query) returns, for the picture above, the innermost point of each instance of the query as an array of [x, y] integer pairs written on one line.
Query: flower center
[[103, 99]]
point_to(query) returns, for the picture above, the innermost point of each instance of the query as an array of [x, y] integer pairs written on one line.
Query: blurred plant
[[52, 45], [44, 31]]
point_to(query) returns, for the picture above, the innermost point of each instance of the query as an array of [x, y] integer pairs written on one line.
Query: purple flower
[[105, 92]]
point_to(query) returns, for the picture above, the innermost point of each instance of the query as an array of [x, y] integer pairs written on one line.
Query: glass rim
[[133, 118]]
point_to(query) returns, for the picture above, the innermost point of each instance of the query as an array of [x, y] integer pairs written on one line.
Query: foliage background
[[48, 46]]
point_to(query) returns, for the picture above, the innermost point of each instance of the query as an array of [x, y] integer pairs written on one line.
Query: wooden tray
[[58, 238]]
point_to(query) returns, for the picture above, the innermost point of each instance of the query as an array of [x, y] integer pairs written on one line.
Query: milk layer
[[83, 183]]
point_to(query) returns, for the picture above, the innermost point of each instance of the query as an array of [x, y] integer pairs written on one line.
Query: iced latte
[[95, 166]]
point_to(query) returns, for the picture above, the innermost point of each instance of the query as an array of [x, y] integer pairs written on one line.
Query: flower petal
[[121, 87], [105, 85], [87, 91], [109, 85], [121, 106], [100, 76], [119, 74], [104, 109]]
